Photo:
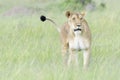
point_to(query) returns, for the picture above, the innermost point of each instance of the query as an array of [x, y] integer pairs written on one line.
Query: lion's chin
[[77, 33]]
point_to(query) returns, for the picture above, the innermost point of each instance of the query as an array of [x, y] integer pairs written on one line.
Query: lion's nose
[[78, 25]]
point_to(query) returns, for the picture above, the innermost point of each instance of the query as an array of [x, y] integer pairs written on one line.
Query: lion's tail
[[43, 18]]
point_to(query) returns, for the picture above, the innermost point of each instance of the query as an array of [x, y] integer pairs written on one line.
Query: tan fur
[[69, 38], [75, 36]]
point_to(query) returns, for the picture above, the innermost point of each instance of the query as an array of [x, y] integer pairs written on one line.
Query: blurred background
[[31, 49], [39, 6]]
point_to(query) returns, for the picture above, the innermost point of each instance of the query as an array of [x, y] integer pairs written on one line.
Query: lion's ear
[[83, 13], [68, 13]]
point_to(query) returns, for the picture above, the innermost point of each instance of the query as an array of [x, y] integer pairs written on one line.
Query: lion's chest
[[78, 43]]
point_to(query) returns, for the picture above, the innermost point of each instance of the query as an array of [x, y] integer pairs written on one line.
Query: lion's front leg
[[86, 58], [73, 58], [65, 53]]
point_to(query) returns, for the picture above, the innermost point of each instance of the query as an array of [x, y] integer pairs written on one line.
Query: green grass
[[30, 49]]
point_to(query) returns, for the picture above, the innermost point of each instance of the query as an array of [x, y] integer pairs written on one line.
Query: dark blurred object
[[103, 5], [42, 18], [90, 7], [84, 2]]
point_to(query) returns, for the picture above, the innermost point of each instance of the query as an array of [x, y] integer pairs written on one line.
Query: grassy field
[[30, 49]]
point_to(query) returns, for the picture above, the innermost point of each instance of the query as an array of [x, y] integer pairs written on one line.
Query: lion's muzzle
[[78, 29]]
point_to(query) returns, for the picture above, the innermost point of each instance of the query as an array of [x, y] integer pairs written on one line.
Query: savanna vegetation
[[30, 49]]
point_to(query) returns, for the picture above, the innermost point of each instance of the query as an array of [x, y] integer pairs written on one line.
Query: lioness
[[75, 36]]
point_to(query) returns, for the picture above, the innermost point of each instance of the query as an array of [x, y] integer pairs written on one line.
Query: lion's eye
[[81, 18], [73, 18]]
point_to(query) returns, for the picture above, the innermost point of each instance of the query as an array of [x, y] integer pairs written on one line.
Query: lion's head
[[75, 20]]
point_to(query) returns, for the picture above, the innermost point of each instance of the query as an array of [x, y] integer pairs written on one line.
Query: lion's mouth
[[78, 29]]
